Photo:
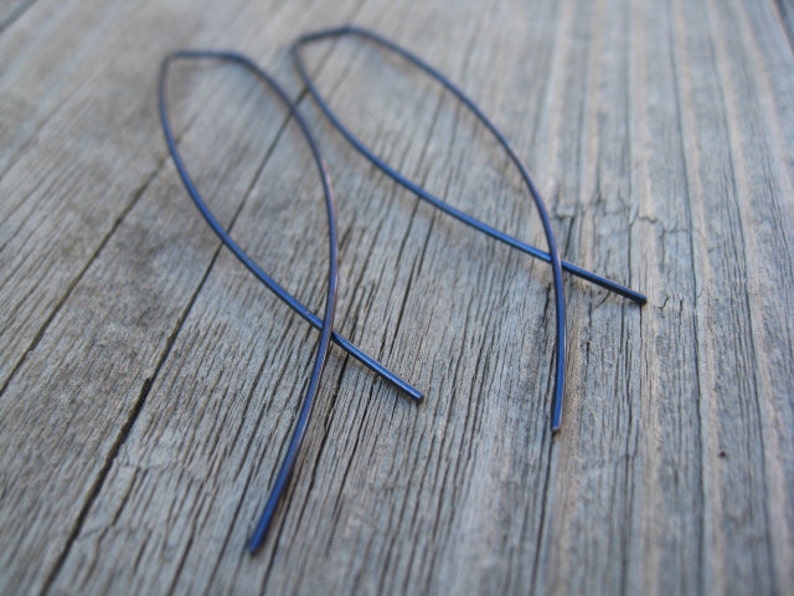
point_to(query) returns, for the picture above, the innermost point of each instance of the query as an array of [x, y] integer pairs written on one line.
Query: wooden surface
[[148, 385]]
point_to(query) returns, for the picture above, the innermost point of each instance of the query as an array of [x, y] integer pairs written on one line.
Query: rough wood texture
[[148, 386]]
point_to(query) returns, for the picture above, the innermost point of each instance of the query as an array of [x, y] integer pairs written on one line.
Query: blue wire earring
[[326, 323], [552, 256]]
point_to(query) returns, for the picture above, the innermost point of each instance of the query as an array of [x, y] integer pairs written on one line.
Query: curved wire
[[552, 256], [238, 252], [327, 323], [511, 241]]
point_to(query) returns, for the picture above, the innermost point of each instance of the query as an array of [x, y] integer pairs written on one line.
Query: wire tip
[[556, 421], [257, 540]]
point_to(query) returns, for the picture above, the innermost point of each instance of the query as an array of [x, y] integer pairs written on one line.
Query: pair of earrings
[[326, 323]]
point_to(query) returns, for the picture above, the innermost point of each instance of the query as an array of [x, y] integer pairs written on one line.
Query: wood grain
[[148, 385]]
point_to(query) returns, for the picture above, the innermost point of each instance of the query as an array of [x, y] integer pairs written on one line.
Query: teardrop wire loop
[[238, 252], [552, 256], [326, 325], [395, 175]]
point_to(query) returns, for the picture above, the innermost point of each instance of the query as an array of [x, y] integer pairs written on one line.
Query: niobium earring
[[326, 323], [552, 256]]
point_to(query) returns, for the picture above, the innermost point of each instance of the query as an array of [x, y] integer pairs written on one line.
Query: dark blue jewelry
[[326, 324], [551, 257]]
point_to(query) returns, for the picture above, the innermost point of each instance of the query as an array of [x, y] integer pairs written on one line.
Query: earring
[[552, 256], [325, 325]]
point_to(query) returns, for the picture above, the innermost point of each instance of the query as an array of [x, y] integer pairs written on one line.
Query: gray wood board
[[148, 385]]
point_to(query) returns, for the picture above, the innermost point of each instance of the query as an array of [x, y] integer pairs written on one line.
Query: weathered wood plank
[[736, 541], [138, 438], [11, 11], [592, 164], [71, 181], [784, 10], [135, 329], [671, 510], [766, 203]]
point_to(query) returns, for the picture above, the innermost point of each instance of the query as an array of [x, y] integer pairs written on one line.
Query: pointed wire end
[[556, 420], [259, 536], [263, 526], [633, 295], [556, 413], [607, 284], [417, 396], [253, 546]]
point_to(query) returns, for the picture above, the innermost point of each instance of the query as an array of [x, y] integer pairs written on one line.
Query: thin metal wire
[[242, 256], [552, 256], [608, 284], [326, 325]]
